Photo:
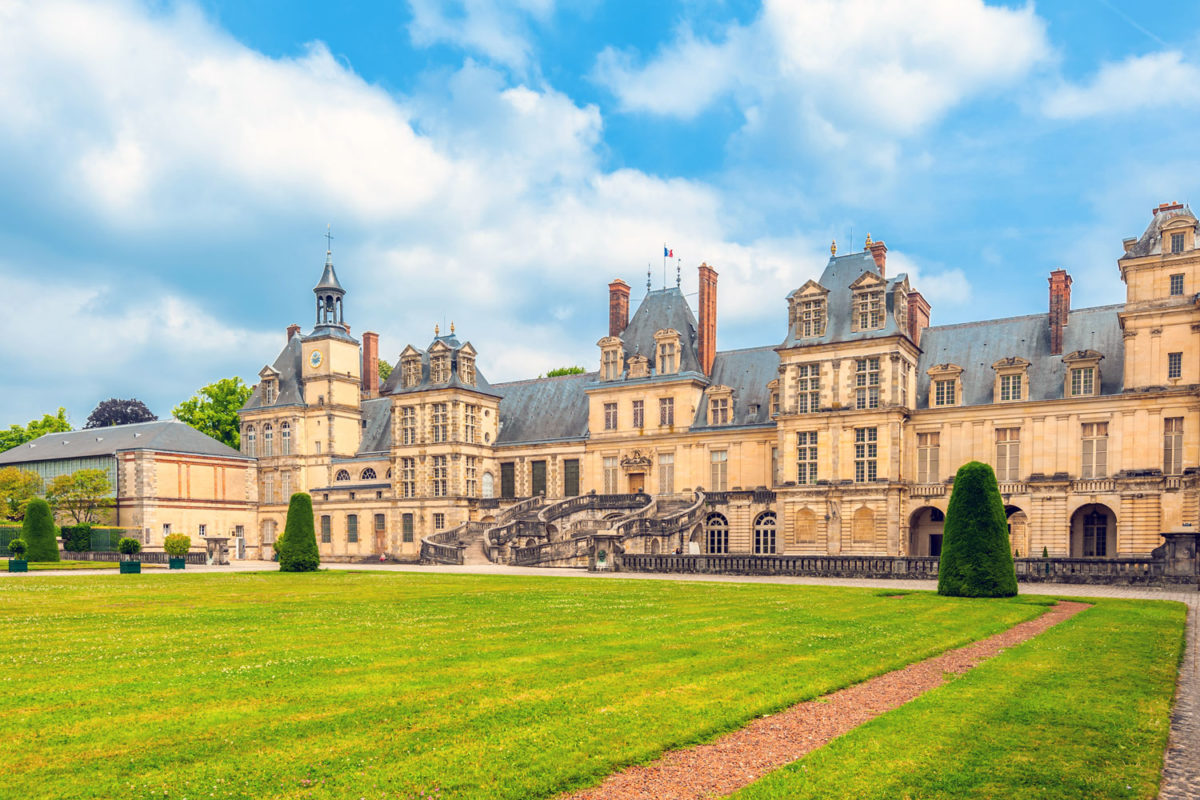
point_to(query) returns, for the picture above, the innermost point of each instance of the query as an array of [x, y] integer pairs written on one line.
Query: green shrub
[[40, 532], [17, 547], [77, 538], [177, 544], [976, 559], [298, 547], [129, 546]]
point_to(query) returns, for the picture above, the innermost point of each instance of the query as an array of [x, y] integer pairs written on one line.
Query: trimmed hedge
[[40, 532], [976, 559], [298, 548], [77, 538], [177, 544]]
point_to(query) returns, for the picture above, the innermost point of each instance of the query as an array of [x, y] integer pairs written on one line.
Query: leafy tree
[[976, 559], [385, 371], [298, 548], [555, 373], [81, 494], [214, 410], [17, 488], [39, 532], [17, 434], [119, 412], [177, 544]]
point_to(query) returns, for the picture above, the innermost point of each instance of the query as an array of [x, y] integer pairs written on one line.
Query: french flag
[[668, 253]]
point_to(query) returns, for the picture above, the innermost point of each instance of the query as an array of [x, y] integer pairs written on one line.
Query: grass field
[[37, 566], [1078, 712], [386, 685]]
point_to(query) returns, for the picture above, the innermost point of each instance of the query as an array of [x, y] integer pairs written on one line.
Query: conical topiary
[[298, 550], [976, 560], [39, 531]]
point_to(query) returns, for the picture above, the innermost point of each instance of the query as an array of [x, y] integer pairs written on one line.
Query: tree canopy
[[17, 488], [82, 494], [17, 434], [976, 560], [119, 412], [214, 410], [556, 373], [385, 371]]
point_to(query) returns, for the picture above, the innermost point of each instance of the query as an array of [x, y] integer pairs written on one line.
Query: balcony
[[1094, 486]]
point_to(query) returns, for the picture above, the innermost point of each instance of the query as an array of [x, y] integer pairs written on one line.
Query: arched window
[[268, 440], [717, 528], [489, 485], [250, 442], [863, 528], [342, 475], [764, 533], [389, 473], [285, 439], [806, 526], [367, 474]]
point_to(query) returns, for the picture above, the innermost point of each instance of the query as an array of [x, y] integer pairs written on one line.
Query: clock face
[[315, 359]]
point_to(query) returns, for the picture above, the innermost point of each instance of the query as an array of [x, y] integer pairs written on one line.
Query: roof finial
[[647, 277], [867, 246], [833, 248], [436, 330], [328, 243], [451, 327], [678, 267]]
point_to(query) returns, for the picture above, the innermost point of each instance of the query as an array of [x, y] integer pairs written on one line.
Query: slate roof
[[747, 372], [661, 309], [544, 409], [392, 385], [377, 433], [167, 435], [291, 389], [1150, 243], [329, 279], [839, 274], [975, 346]]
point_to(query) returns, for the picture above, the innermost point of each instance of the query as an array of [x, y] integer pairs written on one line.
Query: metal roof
[[544, 409], [839, 274], [290, 389], [661, 309], [747, 372], [167, 435]]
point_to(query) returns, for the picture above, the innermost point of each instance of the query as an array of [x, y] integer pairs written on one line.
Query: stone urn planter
[[128, 548], [16, 563]]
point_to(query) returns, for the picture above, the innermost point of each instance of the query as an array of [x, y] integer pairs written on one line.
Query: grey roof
[[659, 310], [747, 372], [1150, 243], [167, 435], [329, 280], [392, 384], [839, 274], [330, 330], [544, 409], [975, 346], [377, 433], [291, 389]]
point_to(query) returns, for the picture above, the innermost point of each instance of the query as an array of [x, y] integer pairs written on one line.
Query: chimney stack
[[918, 316], [618, 307], [292, 330], [708, 317], [879, 253], [1060, 308], [370, 363]]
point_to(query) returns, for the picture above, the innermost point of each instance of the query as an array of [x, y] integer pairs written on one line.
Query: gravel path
[[1181, 765], [743, 756]]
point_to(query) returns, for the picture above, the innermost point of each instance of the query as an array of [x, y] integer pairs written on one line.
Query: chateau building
[[842, 439]]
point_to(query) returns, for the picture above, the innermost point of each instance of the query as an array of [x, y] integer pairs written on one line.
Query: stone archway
[[1093, 532], [1018, 531], [925, 531], [655, 547]]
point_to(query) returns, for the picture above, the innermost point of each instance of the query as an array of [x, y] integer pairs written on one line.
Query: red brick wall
[[708, 317]]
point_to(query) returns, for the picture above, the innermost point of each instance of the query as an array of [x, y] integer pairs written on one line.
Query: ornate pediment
[[609, 341], [268, 373], [639, 366], [410, 352], [467, 350], [944, 370], [811, 289], [1082, 355], [868, 280], [635, 462], [439, 347], [1012, 362]]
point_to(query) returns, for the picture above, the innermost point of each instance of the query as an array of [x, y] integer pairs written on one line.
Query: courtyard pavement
[[1181, 768]]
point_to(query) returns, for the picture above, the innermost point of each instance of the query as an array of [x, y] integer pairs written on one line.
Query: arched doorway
[[1093, 532], [1018, 531], [716, 528], [764, 533], [489, 485], [925, 531]]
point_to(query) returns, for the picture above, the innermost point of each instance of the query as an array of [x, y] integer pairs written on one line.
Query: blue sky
[[171, 168]]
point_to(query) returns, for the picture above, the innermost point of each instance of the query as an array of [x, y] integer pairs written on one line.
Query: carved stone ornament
[[635, 462]]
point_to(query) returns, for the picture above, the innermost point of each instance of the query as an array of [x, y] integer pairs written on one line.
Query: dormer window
[[945, 385], [268, 392], [1012, 380], [666, 343], [611, 358], [868, 309], [720, 405], [1083, 374], [466, 370], [410, 368], [773, 392], [812, 318], [1176, 242], [639, 367], [439, 369], [900, 308]]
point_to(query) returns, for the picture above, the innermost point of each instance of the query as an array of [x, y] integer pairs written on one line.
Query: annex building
[[842, 439]]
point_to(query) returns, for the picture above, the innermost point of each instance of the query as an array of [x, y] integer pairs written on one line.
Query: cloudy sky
[[169, 168]]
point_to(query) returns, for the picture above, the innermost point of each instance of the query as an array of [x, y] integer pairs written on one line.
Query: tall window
[[639, 413], [666, 411], [719, 468], [440, 476], [718, 411], [764, 533], [411, 372], [775, 404], [1176, 242], [406, 527], [380, 523], [571, 477], [610, 474], [326, 529], [408, 425], [440, 420], [866, 454], [806, 442], [1173, 445], [1095, 534], [285, 439], [868, 310], [439, 369], [466, 369], [249, 445], [608, 360], [268, 490], [1176, 284], [808, 384], [944, 392], [666, 473], [408, 477], [610, 416], [439, 521], [1083, 381], [1174, 365], [928, 448], [352, 528], [537, 477], [1008, 454], [812, 318], [1095, 450], [470, 423], [1010, 387], [268, 440], [716, 528], [488, 485], [866, 382], [774, 465], [472, 465], [668, 358], [285, 482], [268, 392], [508, 479]]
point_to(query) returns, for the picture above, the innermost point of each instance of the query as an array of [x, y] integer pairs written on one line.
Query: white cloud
[[495, 29], [1139, 83]]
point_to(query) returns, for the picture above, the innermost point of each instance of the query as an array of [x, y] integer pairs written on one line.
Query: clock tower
[[330, 367]]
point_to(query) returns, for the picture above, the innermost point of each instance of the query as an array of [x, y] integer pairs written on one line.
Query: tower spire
[[329, 291]]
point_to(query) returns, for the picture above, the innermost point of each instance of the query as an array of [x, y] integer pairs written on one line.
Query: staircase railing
[[444, 547], [509, 524]]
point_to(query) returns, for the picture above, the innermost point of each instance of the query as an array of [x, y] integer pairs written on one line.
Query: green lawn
[[1078, 712], [64, 564], [385, 685]]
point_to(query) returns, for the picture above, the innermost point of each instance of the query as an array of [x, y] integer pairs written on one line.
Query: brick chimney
[[1060, 308], [708, 317], [292, 330], [370, 363], [918, 316], [618, 307], [879, 253]]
